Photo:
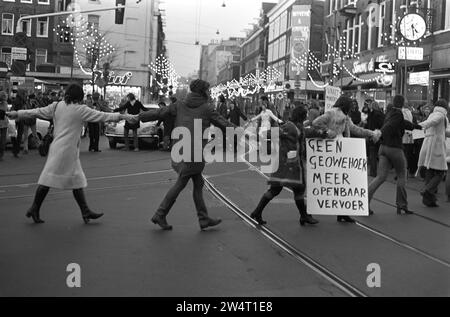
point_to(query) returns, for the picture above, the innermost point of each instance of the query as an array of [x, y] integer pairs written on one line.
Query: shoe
[[345, 219], [209, 222], [136, 150], [407, 212], [34, 214], [25, 152], [371, 212], [98, 151], [161, 221], [428, 200], [258, 218], [309, 220], [86, 213]]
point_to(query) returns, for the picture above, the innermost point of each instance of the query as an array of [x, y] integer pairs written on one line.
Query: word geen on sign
[[337, 177], [19, 53], [412, 53]]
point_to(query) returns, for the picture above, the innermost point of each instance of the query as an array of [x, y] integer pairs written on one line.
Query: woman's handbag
[[44, 147]]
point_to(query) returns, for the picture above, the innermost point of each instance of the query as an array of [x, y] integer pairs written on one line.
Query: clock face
[[413, 27]]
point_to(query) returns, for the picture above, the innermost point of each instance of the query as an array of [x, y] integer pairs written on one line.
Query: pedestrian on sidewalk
[[94, 127], [291, 171], [338, 124], [4, 122], [195, 106], [30, 124], [63, 167], [433, 153], [391, 154], [408, 142], [235, 115], [18, 103], [133, 107]]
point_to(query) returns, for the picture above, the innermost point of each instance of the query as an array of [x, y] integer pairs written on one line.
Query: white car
[[148, 133], [41, 130]]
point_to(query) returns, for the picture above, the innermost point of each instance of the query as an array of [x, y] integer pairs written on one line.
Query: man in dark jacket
[[186, 113], [19, 103], [375, 120], [234, 115], [94, 127], [133, 107]]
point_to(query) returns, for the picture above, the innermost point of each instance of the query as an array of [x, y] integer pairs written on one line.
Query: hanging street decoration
[[166, 76]]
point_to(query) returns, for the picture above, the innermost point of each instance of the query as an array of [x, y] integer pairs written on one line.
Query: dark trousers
[[18, 141], [390, 157], [431, 183], [3, 132], [94, 135], [410, 158], [126, 131], [176, 189], [373, 159]]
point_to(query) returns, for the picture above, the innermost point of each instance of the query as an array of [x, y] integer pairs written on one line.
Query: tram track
[[287, 247], [374, 231]]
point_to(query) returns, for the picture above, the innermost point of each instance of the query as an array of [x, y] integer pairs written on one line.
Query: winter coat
[[235, 114], [408, 136], [291, 171], [63, 167], [394, 128], [447, 144], [4, 122], [195, 106], [433, 154], [337, 122]]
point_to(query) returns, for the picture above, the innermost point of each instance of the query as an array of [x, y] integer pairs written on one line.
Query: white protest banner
[[337, 177], [332, 94]]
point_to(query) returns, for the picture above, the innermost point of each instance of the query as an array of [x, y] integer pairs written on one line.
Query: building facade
[[39, 35], [135, 44], [295, 34], [360, 35]]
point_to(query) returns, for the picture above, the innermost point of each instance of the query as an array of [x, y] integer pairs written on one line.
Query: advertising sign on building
[[337, 177], [419, 78], [412, 53], [301, 30], [19, 53], [332, 94]]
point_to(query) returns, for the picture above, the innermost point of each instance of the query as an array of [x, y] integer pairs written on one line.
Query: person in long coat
[[291, 172], [432, 156], [63, 167], [447, 179], [337, 123], [195, 108]]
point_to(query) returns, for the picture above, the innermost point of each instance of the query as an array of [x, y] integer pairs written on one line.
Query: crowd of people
[[385, 132]]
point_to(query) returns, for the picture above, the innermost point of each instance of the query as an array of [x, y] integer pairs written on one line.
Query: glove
[[418, 127]]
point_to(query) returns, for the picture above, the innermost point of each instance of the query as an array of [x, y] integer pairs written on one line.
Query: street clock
[[413, 27]]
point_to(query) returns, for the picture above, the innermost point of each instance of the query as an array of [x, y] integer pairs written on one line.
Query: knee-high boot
[[304, 217], [86, 213], [33, 212], [257, 213]]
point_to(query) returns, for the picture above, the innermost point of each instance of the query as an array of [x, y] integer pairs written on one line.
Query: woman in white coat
[[433, 153], [63, 168]]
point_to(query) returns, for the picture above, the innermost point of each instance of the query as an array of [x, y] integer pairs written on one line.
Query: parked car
[[148, 133]]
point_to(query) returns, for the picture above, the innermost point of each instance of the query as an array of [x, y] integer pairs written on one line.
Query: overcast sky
[[181, 17]]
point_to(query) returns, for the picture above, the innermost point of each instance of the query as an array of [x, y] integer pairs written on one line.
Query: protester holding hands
[[63, 167]]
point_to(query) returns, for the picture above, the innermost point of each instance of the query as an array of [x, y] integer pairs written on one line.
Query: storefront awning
[[440, 76]]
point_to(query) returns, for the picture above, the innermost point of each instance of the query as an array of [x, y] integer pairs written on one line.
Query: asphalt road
[[123, 254]]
